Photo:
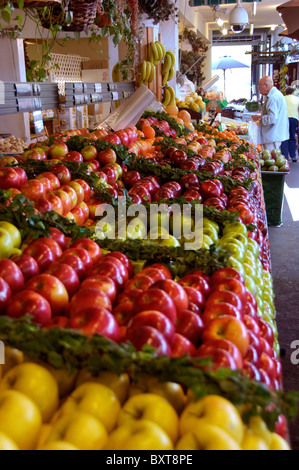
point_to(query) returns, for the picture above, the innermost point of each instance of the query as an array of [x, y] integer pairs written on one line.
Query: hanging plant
[[159, 10], [121, 20], [192, 62]]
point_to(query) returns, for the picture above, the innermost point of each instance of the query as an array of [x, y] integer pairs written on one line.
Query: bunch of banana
[[157, 52], [148, 72], [283, 77], [168, 68], [115, 73], [169, 96]]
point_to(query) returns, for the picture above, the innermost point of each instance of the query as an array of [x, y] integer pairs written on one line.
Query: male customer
[[274, 121], [288, 147]]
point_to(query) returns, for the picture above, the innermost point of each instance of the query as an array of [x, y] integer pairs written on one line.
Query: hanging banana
[[115, 73]]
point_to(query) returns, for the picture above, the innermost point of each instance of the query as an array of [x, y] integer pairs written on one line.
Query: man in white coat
[[274, 121]]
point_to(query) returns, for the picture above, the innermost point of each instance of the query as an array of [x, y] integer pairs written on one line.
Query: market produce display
[[274, 161], [179, 344]]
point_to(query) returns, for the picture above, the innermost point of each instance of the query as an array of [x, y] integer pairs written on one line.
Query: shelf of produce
[[102, 322]]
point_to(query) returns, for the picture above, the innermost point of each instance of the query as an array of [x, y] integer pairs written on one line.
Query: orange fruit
[[184, 115], [173, 110], [179, 120], [148, 131]]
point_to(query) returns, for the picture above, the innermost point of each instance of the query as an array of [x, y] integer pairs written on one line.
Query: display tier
[[140, 332]]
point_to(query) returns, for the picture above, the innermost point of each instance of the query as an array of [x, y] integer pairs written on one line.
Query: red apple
[[224, 296], [42, 254], [52, 289], [28, 302], [230, 328], [227, 346], [130, 178], [211, 188], [256, 342], [55, 202], [156, 299], [195, 297], [58, 150], [108, 268], [121, 267], [53, 179], [220, 357], [87, 298], [189, 325], [252, 356], [9, 178], [33, 189], [82, 254], [123, 313], [181, 346], [189, 180], [232, 285], [102, 283], [266, 331], [27, 265], [251, 371], [148, 336], [67, 275], [219, 310], [139, 281], [12, 274], [5, 295], [62, 173], [96, 320], [251, 324], [42, 205], [89, 153], [225, 273], [175, 291], [53, 245], [58, 237], [197, 282], [73, 156], [125, 261], [154, 319]]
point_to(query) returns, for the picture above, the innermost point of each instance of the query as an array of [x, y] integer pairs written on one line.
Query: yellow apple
[[6, 443], [171, 391], [64, 379], [253, 442], [20, 419], [139, 435], [36, 383], [82, 430], [278, 443], [120, 384], [207, 437], [58, 445], [214, 410], [259, 427], [152, 408], [13, 357], [43, 435], [95, 399]]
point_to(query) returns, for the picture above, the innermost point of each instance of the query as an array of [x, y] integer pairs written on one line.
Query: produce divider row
[[158, 162]]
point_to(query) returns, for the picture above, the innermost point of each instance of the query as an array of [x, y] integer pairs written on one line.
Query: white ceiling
[[266, 13]]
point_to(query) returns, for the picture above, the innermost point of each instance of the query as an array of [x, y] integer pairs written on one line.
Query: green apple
[[234, 263], [235, 227], [210, 223], [250, 270], [268, 295], [250, 284], [236, 236], [259, 280], [211, 232], [253, 246], [207, 241], [182, 225], [170, 241], [235, 247], [104, 230], [136, 229], [260, 304], [250, 259], [157, 232]]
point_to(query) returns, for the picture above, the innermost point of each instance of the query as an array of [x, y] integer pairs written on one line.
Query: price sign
[[95, 98], [38, 121], [78, 88], [81, 99], [98, 87], [114, 95], [111, 86], [23, 89], [30, 104]]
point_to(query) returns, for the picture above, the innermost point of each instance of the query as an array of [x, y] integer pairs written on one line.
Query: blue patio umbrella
[[227, 62]]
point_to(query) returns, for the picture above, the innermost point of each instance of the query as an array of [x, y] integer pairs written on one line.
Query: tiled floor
[[285, 265]]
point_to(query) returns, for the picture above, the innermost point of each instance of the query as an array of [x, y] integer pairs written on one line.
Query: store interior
[[106, 105]]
